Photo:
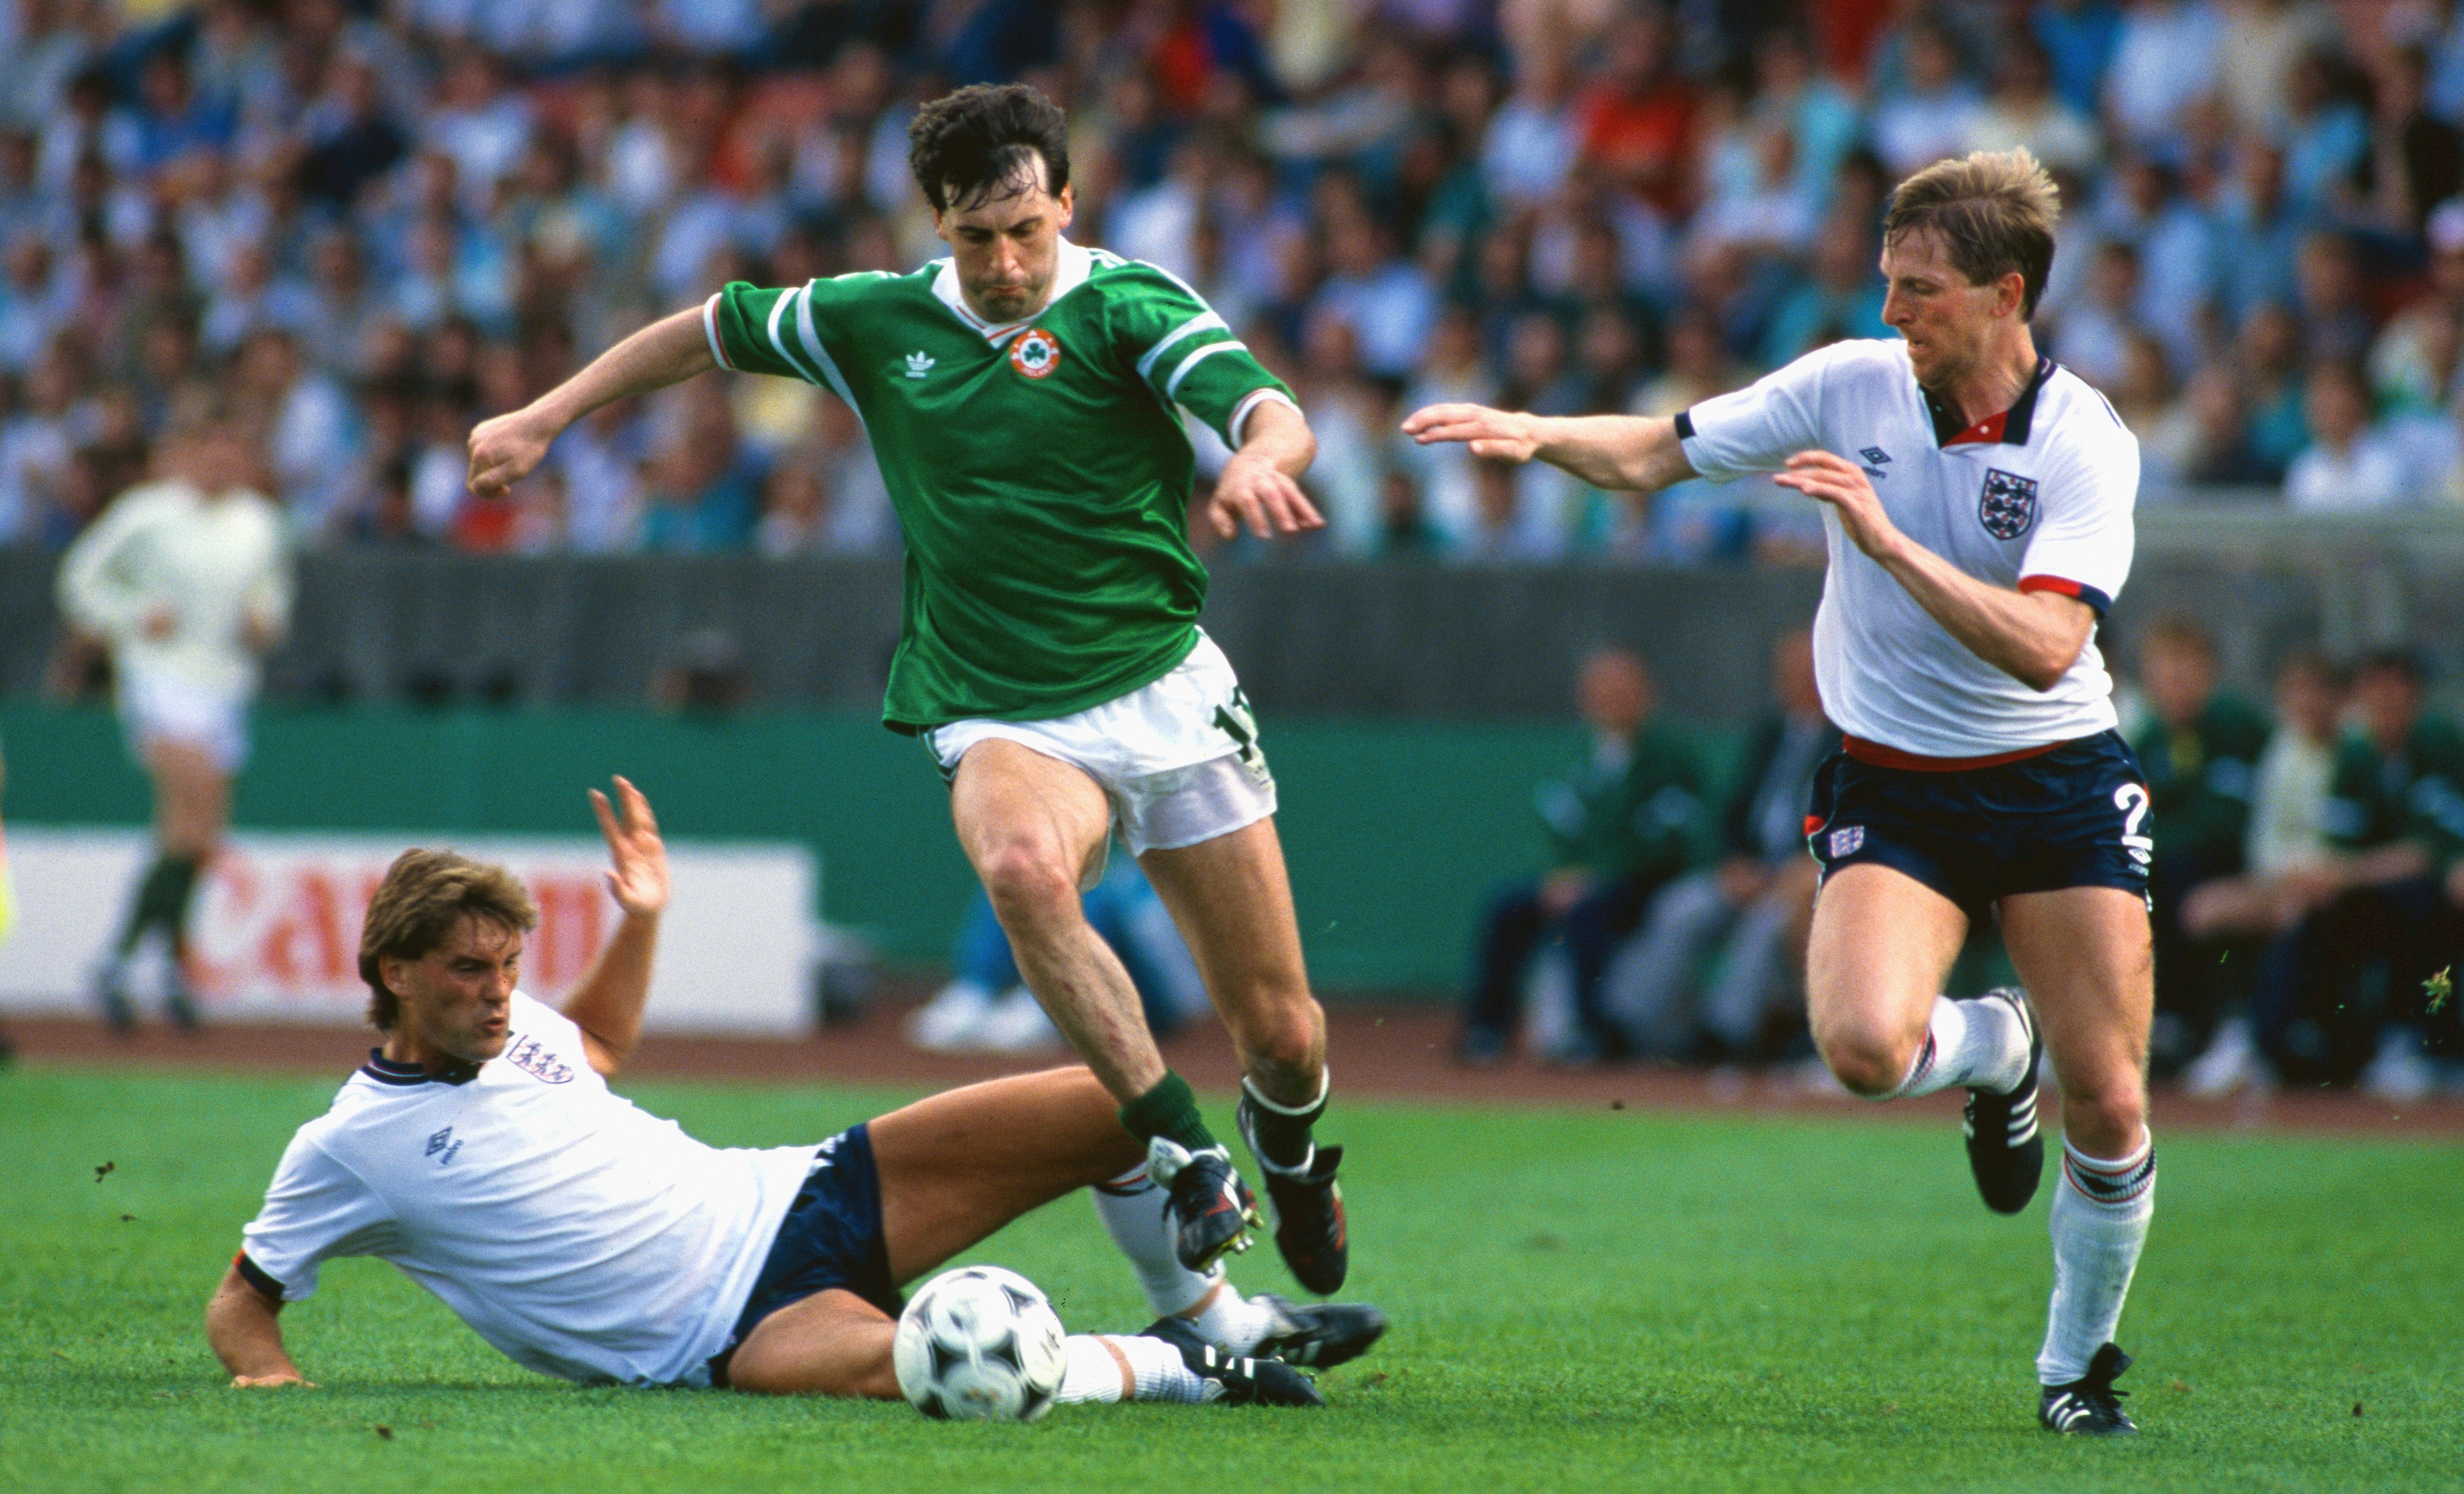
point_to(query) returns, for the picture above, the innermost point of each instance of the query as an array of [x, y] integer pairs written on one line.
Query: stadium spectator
[[2287, 838], [2348, 467], [2388, 899], [2200, 750], [2167, 56], [349, 170], [1752, 905], [1619, 826]]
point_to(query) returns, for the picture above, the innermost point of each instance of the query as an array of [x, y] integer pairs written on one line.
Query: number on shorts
[[1238, 724], [2131, 799]]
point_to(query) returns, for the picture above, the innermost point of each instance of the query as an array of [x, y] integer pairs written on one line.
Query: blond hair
[[424, 896], [1996, 212]]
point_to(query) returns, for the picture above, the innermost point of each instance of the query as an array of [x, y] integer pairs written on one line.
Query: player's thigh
[[191, 792], [832, 1343], [1881, 946], [1232, 901], [958, 1165], [2087, 959], [1010, 802]]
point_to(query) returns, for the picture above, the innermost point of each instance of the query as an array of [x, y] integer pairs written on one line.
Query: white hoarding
[[276, 931]]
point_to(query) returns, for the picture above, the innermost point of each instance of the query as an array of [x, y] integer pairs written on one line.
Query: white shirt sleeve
[[2084, 536], [316, 1210], [96, 591], [1758, 427]]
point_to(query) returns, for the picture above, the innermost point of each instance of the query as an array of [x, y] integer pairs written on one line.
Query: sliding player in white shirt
[[481, 1152], [1978, 506]]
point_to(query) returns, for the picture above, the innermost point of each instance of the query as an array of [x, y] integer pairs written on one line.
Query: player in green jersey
[[1024, 400]]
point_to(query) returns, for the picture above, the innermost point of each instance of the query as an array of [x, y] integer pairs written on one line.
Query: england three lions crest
[[2007, 506]]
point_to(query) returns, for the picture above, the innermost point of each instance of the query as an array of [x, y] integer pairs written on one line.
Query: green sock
[[150, 904], [1169, 1110], [180, 876]]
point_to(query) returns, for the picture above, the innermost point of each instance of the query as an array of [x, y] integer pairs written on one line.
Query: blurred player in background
[[481, 1151], [1977, 503], [2200, 747], [186, 581], [1024, 398]]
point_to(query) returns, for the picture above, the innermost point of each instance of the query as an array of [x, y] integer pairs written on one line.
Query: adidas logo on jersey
[[919, 365]]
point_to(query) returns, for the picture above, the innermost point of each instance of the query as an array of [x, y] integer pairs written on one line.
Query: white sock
[[1101, 1366], [2099, 1220], [1132, 1208], [1973, 1045], [1230, 1321]]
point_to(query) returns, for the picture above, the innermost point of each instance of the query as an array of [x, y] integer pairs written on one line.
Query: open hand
[[638, 878], [1254, 492], [504, 451], [1836, 480], [1490, 432]]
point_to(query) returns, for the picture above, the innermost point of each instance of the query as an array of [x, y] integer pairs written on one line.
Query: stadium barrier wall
[[1388, 639], [1394, 831]]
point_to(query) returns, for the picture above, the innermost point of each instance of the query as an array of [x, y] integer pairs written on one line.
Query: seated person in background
[[2389, 901], [1759, 898], [986, 1007], [1621, 825], [2200, 750], [2286, 838], [481, 1152]]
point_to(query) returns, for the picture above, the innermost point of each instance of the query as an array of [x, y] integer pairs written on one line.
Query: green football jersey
[[1040, 469]]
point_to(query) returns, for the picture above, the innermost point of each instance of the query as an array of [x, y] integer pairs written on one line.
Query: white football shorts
[[159, 707], [1178, 758]]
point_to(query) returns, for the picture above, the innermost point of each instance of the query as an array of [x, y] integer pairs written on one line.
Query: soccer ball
[[978, 1344]]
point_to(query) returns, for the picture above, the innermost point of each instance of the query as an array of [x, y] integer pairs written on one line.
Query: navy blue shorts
[[832, 1238], [2076, 816]]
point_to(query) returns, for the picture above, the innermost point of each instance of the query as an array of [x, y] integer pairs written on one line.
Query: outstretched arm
[[2032, 636], [1260, 484], [506, 450], [1617, 453], [607, 1004], [241, 1326]]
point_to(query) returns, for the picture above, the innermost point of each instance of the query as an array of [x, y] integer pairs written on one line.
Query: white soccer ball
[[978, 1344]]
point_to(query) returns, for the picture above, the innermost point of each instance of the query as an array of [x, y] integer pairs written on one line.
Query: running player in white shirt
[[1977, 500], [481, 1152], [186, 581]]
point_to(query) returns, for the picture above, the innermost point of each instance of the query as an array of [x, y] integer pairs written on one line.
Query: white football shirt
[[579, 1235], [2036, 498]]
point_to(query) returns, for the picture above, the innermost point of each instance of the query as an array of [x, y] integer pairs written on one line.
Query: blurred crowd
[[2308, 879], [378, 221]]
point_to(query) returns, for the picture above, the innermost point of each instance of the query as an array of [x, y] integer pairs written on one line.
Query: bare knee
[[2106, 1116], [1282, 1036], [1870, 1062], [1030, 886]]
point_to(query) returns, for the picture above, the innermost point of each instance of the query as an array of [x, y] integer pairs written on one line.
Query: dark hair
[[424, 893], [2394, 659], [977, 145], [2181, 631], [1995, 213]]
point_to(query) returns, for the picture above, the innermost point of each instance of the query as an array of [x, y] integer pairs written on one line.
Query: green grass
[[1581, 1301]]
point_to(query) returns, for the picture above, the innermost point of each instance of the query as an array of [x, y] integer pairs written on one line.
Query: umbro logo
[[443, 1147], [1875, 459], [919, 365]]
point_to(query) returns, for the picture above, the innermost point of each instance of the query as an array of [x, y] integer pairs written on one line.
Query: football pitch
[[1581, 1300]]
